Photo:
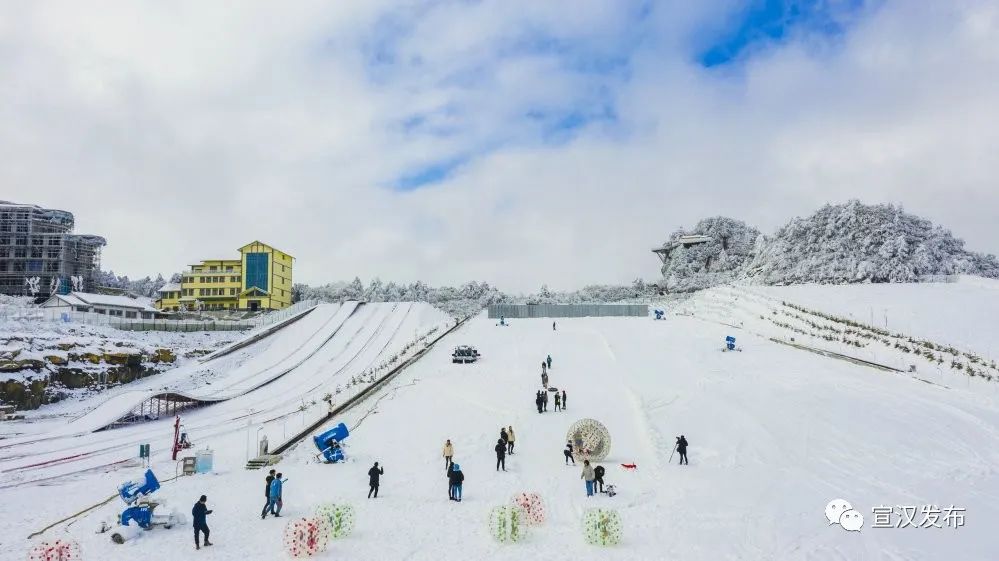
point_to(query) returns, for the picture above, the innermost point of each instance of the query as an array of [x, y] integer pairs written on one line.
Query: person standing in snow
[[558, 400], [373, 474], [448, 454], [544, 401], [588, 476], [568, 454], [544, 380], [455, 479], [544, 368], [500, 454], [553, 326], [549, 361], [200, 513], [268, 505], [537, 401], [564, 400], [277, 487], [505, 437], [598, 479], [681, 447], [510, 439]]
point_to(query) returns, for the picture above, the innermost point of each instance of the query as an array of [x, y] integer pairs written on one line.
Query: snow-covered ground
[[775, 433], [963, 313]]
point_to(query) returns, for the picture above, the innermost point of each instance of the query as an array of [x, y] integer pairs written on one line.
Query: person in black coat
[[455, 478], [373, 474], [544, 401], [598, 473], [565, 400], [681, 447], [199, 513], [504, 437], [268, 505], [538, 401], [568, 454], [500, 454]]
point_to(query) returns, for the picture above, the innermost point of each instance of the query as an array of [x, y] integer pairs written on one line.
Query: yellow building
[[259, 280]]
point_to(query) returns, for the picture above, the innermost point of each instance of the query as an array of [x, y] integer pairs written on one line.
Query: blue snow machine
[[730, 343], [328, 443], [131, 491], [660, 314]]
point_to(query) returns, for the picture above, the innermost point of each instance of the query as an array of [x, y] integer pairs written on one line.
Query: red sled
[[630, 467]]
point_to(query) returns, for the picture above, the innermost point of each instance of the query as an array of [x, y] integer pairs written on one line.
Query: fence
[[182, 325], [523, 311]]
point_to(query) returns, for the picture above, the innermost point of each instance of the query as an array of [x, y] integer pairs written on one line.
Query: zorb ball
[[590, 439], [57, 550], [602, 526], [506, 524], [533, 507], [340, 518], [306, 537]]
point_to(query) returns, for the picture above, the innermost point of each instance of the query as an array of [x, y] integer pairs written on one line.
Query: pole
[[176, 437], [671, 454]]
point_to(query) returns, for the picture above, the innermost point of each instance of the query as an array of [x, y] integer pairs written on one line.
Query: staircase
[[263, 461]]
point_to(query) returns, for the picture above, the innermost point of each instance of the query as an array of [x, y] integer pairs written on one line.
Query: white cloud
[[182, 131]]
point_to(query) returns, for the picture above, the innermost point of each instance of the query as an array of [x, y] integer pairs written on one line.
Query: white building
[[114, 306]]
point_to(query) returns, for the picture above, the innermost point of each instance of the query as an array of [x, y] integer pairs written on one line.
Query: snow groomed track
[[340, 342], [293, 345]]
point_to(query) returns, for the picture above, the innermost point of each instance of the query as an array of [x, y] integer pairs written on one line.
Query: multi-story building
[[40, 255], [259, 280]]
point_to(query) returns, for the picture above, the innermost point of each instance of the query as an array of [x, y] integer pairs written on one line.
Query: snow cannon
[[730, 343], [131, 491], [660, 314], [328, 443]]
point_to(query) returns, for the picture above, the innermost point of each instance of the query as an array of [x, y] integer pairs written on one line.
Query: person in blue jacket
[[276, 488], [455, 479], [200, 513]]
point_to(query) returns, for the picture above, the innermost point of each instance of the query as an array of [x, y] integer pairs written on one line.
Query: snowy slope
[[775, 434], [963, 314]]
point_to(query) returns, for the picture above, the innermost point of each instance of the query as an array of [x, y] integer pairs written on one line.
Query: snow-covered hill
[[838, 244]]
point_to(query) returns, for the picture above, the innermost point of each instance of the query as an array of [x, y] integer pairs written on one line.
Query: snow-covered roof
[[88, 299], [170, 287]]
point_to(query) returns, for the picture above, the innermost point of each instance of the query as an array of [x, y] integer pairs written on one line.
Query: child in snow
[[568, 454], [538, 401], [504, 436], [510, 439], [455, 478], [549, 361], [564, 401], [588, 476], [544, 401], [558, 400]]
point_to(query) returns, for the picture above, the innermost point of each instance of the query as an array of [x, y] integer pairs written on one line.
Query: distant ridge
[[838, 244]]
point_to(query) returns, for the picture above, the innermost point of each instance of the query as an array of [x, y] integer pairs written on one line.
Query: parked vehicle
[[464, 354]]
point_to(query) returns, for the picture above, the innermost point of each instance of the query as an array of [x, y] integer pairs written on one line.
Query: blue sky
[[600, 68]]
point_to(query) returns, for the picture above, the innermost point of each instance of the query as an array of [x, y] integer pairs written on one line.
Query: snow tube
[[340, 518], [602, 526], [533, 507], [306, 537]]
